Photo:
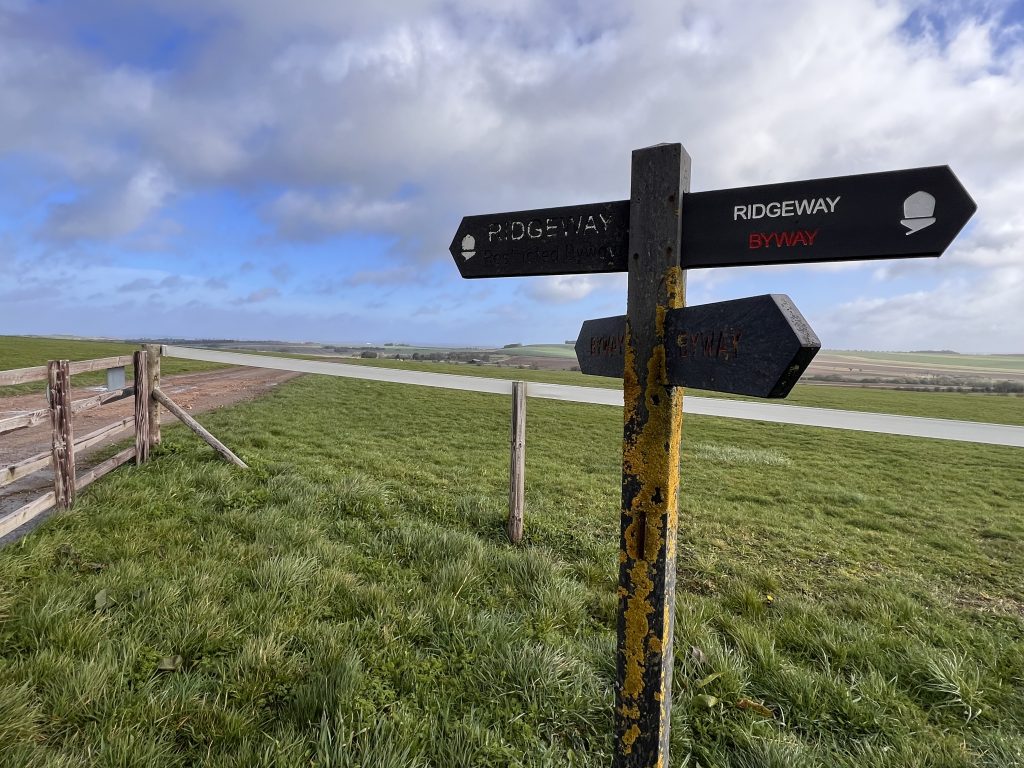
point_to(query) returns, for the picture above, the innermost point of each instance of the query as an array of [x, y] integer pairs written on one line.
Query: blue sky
[[252, 169]]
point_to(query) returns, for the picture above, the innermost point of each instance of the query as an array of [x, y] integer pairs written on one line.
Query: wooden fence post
[[517, 468], [153, 354], [58, 379], [140, 362]]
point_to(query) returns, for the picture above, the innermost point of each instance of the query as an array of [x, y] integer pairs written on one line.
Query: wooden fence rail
[[63, 445], [61, 457], [38, 373]]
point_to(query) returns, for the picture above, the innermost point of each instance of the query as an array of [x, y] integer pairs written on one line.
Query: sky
[[254, 169]]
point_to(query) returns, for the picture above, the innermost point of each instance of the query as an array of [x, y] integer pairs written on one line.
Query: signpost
[[755, 346], [895, 214]]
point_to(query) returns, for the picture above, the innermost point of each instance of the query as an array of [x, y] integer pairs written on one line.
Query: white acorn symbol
[[468, 247], [918, 209]]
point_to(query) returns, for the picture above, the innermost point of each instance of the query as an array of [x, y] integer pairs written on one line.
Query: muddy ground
[[195, 392]]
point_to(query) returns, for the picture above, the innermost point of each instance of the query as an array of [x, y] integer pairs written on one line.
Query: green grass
[[541, 350], [995, 409], [844, 599], [30, 351]]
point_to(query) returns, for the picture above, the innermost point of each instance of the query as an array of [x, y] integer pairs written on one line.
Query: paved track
[[910, 426]]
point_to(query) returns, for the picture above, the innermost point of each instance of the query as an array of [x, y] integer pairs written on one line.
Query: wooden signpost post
[[756, 346]]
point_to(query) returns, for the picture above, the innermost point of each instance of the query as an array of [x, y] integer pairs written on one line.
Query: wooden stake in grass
[[58, 377], [517, 469], [652, 432], [199, 429], [153, 354], [142, 411]]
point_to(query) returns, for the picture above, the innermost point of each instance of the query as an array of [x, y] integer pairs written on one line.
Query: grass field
[[997, 409], [21, 351], [844, 599], [29, 351], [973, 362], [541, 350]]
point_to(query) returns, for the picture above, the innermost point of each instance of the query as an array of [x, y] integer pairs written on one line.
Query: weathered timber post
[[58, 379], [199, 429], [153, 353], [140, 362], [650, 460], [517, 467]]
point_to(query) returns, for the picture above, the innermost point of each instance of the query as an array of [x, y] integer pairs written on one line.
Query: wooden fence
[[146, 424], [149, 398], [59, 413]]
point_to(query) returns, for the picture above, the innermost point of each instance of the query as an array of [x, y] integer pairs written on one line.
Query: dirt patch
[[1005, 606], [195, 392]]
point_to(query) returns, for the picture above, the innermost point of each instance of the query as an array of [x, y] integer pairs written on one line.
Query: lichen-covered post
[[650, 460]]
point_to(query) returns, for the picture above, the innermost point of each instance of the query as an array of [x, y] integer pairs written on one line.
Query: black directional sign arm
[[804, 349], [758, 346], [891, 215], [895, 214], [550, 241]]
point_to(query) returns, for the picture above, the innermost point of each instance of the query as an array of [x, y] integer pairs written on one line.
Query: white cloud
[[303, 215], [329, 110], [560, 288], [111, 212], [259, 296], [972, 316]]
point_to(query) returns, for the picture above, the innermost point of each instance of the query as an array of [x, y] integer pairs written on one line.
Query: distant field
[[996, 409], [30, 351], [843, 599], [936, 372], [1003, 362], [541, 350]]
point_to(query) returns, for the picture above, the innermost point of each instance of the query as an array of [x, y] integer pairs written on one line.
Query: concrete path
[[862, 421]]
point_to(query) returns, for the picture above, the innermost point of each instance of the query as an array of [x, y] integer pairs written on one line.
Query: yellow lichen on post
[[650, 460], [650, 455], [638, 608], [675, 287]]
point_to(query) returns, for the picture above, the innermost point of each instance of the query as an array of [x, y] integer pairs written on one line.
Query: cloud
[[282, 272], [560, 288], [300, 215], [312, 119], [398, 275], [258, 296], [970, 316], [113, 211]]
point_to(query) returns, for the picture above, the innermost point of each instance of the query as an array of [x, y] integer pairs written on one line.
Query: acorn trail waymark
[[890, 215], [552, 241], [754, 346]]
